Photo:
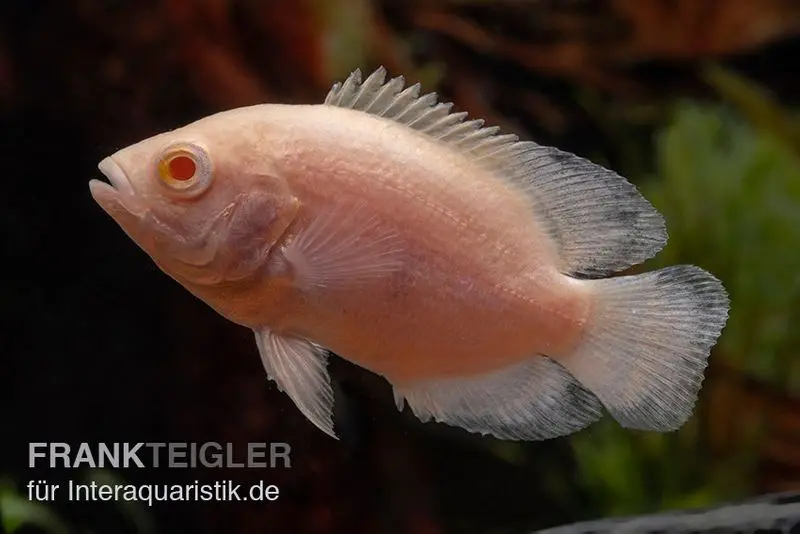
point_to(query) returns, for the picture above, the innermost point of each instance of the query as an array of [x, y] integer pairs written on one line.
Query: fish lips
[[115, 175], [117, 196]]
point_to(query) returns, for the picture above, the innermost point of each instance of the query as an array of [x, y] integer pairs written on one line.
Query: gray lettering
[[131, 456], [255, 452], [155, 447], [59, 450], [175, 454], [280, 450], [84, 456], [215, 456], [33, 453], [106, 455]]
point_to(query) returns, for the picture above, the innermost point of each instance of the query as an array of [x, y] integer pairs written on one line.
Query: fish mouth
[[117, 191], [116, 176]]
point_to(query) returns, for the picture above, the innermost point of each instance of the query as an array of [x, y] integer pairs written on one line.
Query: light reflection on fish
[[465, 266]]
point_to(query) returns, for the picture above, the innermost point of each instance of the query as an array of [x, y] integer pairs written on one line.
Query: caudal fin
[[647, 344]]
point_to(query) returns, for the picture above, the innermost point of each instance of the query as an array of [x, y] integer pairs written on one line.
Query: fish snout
[[116, 176], [117, 194]]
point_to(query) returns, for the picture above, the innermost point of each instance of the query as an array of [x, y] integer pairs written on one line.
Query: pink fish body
[[465, 266]]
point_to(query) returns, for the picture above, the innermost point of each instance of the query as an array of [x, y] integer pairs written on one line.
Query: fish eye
[[185, 168]]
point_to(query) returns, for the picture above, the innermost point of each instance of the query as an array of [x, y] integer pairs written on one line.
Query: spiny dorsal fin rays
[[468, 133], [600, 221], [385, 95], [423, 113]]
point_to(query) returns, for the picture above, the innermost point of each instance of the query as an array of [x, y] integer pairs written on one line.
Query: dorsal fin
[[600, 221], [394, 101]]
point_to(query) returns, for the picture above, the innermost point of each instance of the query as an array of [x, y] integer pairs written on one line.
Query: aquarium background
[[694, 100]]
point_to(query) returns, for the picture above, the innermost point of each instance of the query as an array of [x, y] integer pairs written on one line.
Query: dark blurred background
[[694, 100]]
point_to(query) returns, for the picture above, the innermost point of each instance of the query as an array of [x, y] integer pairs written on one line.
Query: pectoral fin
[[299, 368], [342, 247]]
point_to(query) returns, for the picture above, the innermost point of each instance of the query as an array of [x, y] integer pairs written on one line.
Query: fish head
[[204, 201]]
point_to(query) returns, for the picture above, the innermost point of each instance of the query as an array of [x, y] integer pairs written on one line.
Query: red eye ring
[[181, 167], [185, 169], [177, 166]]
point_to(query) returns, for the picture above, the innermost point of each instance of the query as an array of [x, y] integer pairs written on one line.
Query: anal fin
[[299, 367], [533, 400]]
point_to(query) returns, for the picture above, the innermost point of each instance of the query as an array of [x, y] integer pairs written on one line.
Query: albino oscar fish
[[467, 267]]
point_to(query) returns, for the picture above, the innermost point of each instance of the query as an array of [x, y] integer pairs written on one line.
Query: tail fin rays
[[647, 347]]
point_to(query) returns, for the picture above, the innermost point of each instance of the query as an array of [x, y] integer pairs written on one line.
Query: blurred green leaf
[[17, 511], [755, 103]]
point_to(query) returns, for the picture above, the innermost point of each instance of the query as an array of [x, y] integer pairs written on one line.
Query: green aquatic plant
[[18, 513]]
